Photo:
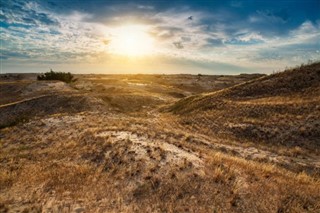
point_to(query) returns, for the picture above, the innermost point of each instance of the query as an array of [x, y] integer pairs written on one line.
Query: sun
[[132, 40]]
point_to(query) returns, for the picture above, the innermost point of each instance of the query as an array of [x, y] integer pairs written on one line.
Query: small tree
[[52, 75], [199, 76]]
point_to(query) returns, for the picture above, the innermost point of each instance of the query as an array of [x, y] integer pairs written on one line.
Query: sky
[[158, 36]]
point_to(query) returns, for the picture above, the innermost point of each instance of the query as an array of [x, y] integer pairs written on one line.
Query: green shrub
[[61, 76]]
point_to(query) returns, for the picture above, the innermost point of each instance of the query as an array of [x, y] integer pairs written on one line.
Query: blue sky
[[211, 37]]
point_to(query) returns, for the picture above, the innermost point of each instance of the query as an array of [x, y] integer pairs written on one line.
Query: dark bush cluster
[[61, 76]]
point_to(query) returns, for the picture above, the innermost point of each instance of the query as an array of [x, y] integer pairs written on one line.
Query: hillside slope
[[280, 109], [101, 145]]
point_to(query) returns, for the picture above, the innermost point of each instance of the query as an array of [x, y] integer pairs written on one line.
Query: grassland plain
[[162, 143]]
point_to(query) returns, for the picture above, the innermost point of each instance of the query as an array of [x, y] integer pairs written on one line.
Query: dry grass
[[215, 155], [80, 165], [253, 113]]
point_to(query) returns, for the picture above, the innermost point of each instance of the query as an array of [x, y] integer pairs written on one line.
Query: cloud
[[274, 16], [57, 32], [30, 31], [306, 29], [215, 42], [165, 32], [25, 13], [6, 54], [178, 45], [145, 7], [245, 39], [300, 45]]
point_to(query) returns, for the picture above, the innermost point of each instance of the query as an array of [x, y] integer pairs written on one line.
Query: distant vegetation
[[61, 76]]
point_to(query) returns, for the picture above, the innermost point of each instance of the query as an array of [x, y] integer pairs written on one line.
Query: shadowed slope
[[282, 108], [304, 81]]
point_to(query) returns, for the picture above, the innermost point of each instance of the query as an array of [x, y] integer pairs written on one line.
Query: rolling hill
[[281, 110], [104, 144]]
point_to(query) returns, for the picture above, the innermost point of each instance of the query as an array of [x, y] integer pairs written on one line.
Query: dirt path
[[24, 100]]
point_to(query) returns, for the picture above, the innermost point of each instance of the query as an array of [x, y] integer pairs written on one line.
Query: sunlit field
[[159, 106]]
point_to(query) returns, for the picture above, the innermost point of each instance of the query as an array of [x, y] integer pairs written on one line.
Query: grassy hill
[[101, 144], [281, 109]]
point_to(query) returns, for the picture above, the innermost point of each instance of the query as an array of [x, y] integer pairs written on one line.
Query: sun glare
[[132, 40]]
